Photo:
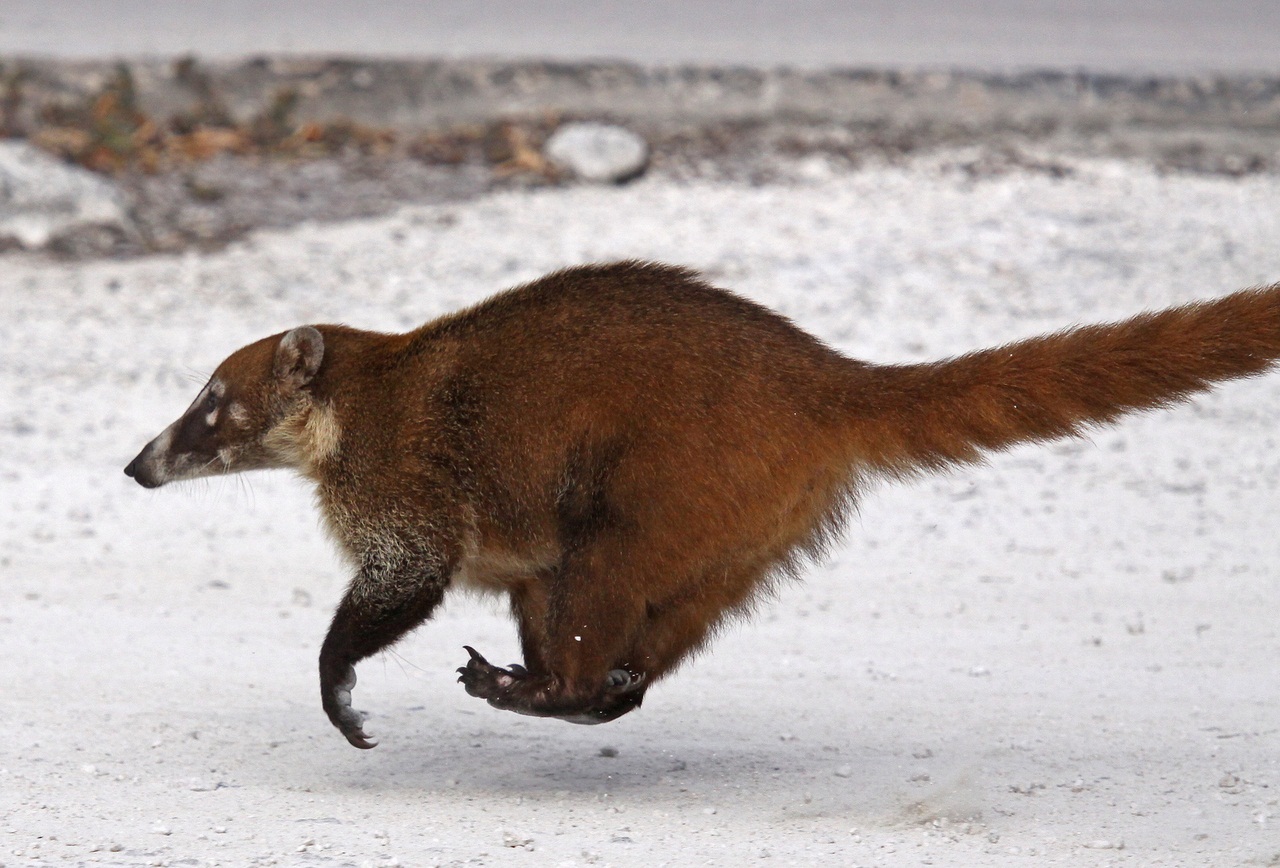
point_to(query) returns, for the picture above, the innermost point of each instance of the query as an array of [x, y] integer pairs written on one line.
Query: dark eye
[[210, 402]]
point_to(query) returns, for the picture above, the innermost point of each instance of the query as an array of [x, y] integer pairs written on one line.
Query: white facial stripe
[[204, 393], [216, 388]]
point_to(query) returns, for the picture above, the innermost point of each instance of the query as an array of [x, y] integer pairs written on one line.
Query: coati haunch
[[632, 454]]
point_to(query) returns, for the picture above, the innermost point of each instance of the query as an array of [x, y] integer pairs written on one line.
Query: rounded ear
[[298, 357]]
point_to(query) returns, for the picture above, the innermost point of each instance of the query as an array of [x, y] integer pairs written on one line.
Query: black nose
[[132, 469]]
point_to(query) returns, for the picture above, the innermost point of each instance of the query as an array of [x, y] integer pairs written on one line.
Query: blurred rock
[[43, 200], [598, 152]]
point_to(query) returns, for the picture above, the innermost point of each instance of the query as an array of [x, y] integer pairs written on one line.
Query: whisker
[[195, 376], [203, 467], [404, 661]]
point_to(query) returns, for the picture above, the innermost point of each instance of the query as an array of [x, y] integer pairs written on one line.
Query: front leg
[[387, 598]]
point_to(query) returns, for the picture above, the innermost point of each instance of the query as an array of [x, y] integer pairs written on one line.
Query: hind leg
[[665, 634], [529, 608], [663, 637], [516, 689], [576, 623], [681, 625]]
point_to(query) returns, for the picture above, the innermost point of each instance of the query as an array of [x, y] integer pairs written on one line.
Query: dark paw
[[610, 708], [481, 678], [513, 689], [337, 704], [620, 682], [623, 692]]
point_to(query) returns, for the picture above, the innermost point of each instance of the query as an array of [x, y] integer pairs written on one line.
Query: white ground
[[1065, 657]]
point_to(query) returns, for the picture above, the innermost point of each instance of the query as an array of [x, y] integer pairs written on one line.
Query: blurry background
[[1134, 36], [363, 107]]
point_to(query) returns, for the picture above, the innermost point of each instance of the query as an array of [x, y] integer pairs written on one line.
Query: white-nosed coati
[[631, 455]]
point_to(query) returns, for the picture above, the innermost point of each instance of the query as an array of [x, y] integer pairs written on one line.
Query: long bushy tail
[[910, 418]]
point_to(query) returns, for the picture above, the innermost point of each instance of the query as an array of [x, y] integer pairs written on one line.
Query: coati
[[632, 455]]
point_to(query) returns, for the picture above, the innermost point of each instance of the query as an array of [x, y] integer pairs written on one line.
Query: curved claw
[[360, 740], [620, 681], [481, 678], [350, 723]]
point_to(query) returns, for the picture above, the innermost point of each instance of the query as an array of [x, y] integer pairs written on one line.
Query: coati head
[[256, 412]]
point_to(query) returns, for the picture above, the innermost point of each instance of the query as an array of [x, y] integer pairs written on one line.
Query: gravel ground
[[206, 151], [1064, 657]]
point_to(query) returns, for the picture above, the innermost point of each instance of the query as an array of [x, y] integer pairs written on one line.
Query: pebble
[[1103, 844], [603, 153], [517, 840]]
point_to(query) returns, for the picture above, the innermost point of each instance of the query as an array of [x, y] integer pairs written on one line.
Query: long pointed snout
[[142, 471], [148, 468]]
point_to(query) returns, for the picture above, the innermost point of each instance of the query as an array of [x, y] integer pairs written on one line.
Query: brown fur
[[632, 455]]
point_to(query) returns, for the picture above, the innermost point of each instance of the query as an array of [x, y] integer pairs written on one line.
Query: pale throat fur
[[306, 439]]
